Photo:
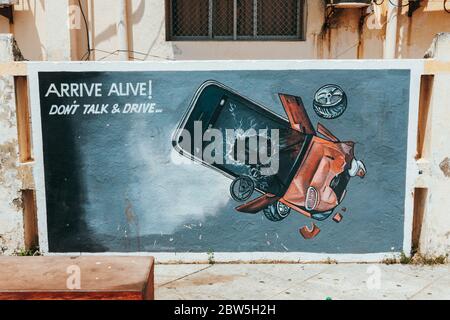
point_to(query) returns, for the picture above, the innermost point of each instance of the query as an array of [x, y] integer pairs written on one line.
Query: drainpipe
[[122, 31], [390, 44]]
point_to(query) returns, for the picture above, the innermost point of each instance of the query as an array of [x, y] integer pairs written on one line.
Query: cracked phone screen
[[275, 154]]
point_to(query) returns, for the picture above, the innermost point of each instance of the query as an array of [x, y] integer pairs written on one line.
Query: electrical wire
[[88, 38], [111, 53], [399, 6], [346, 50], [378, 3], [445, 6], [87, 55]]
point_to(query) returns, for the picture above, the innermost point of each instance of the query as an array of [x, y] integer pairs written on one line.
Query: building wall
[[416, 33], [435, 165], [40, 28], [41, 31], [147, 34], [11, 218]]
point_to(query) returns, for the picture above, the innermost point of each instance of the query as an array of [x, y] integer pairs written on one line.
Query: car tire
[[242, 188], [277, 212], [330, 102]]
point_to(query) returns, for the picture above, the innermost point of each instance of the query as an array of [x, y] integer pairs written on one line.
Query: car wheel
[[277, 212], [242, 188], [330, 102]]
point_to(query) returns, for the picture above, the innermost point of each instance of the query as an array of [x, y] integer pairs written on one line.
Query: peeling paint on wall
[[11, 218], [8, 158], [445, 167]]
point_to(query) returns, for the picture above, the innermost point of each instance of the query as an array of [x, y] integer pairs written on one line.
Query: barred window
[[235, 19]]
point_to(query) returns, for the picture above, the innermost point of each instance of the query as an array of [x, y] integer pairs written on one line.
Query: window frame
[[301, 27]]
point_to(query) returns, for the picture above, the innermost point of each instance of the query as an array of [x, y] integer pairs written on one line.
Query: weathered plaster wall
[[41, 31], [11, 217], [435, 235], [148, 37], [416, 33]]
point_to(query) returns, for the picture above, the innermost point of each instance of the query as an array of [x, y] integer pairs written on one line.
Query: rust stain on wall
[[337, 23], [409, 31], [362, 21]]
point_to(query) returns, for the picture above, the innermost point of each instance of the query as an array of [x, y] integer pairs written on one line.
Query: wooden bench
[[76, 278]]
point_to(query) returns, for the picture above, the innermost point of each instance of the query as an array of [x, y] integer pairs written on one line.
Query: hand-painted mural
[[314, 167], [222, 161]]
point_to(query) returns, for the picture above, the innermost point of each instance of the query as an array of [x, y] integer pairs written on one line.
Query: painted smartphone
[[215, 106]]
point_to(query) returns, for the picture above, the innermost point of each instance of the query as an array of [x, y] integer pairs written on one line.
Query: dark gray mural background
[[111, 184]]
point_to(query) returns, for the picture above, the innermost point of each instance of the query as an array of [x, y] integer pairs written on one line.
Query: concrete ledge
[[13, 69], [434, 67], [76, 278]]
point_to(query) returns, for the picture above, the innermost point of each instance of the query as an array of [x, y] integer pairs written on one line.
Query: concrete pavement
[[301, 281]]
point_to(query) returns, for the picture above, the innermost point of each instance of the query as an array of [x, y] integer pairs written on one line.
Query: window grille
[[235, 19]]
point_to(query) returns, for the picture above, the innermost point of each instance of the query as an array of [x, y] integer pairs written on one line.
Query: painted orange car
[[314, 166], [319, 185]]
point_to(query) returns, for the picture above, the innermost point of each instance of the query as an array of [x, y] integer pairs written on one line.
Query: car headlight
[[312, 198]]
